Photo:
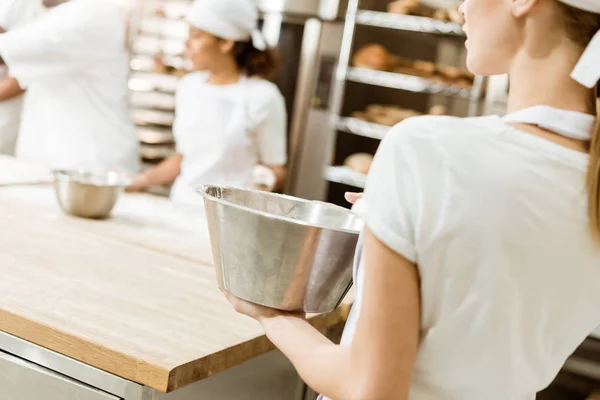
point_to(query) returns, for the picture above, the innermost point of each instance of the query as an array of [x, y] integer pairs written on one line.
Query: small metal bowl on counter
[[280, 251], [87, 193]]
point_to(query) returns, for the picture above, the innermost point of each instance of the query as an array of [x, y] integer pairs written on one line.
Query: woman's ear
[[226, 46], [520, 8]]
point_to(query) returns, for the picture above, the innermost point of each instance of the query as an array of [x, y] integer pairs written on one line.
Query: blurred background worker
[[230, 126], [13, 13], [72, 61]]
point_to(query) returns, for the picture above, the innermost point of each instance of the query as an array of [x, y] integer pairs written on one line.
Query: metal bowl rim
[[66, 175], [200, 189]]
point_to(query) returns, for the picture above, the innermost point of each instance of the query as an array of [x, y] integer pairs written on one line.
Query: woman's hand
[[255, 311], [139, 184], [352, 198]]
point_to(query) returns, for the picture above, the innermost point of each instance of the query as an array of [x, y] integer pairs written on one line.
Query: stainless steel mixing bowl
[[280, 251], [89, 194]]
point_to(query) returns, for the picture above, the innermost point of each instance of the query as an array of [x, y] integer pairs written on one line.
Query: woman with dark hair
[[230, 126]]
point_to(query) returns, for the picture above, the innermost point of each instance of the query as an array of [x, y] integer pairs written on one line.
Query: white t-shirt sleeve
[[399, 183], [16, 12], [271, 130], [73, 37]]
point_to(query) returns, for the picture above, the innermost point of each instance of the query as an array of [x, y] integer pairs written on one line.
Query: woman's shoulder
[[263, 89], [433, 126], [432, 131]]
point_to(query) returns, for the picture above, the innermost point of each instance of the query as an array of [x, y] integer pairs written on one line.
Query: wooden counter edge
[[83, 350], [218, 362], [144, 373]]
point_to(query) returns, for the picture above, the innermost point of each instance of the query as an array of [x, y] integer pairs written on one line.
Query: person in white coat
[[72, 62], [13, 13], [478, 272], [230, 125]]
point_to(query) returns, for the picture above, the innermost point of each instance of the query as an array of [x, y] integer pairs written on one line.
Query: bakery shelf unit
[[156, 63], [346, 176], [471, 92], [406, 23]]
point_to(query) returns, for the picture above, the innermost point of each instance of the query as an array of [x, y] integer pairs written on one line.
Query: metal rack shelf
[[155, 135], [145, 117], [361, 128], [149, 82], [152, 101], [165, 28], [405, 82], [346, 176], [407, 23]]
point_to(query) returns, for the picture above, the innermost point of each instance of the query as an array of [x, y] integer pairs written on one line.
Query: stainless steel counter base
[[31, 372]]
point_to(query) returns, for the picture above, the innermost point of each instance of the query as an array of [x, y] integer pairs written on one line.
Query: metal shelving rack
[[346, 73]]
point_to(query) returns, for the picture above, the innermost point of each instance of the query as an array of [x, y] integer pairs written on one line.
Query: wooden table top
[[134, 295]]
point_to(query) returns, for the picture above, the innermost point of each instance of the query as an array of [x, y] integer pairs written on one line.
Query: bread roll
[[398, 62], [450, 72], [360, 162], [466, 74], [373, 56], [455, 16], [425, 67], [438, 110], [159, 12], [463, 83], [375, 109], [404, 7], [359, 115], [413, 72], [441, 15]]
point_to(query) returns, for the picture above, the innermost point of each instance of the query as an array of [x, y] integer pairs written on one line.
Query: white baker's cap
[[587, 71], [228, 19]]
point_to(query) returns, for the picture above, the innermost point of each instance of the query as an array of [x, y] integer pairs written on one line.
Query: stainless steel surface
[[280, 251], [405, 82], [362, 128], [268, 377], [68, 367], [88, 194], [407, 23], [305, 89], [22, 380], [346, 176], [322, 9], [339, 86], [583, 367]]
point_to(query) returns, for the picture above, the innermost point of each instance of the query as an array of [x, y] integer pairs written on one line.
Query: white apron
[[215, 141], [570, 124], [13, 13], [10, 115], [73, 63]]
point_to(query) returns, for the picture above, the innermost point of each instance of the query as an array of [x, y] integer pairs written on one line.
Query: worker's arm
[[164, 173], [9, 88]]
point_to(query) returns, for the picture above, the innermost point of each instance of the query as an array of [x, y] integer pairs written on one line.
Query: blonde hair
[[581, 28]]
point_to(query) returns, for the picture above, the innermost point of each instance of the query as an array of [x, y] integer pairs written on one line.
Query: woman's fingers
[[353, 197]]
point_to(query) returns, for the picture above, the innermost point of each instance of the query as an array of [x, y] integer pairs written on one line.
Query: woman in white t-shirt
[[229, 118], [479, 271]]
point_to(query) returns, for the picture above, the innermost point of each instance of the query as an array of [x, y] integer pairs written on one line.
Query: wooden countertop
[[135, 295]]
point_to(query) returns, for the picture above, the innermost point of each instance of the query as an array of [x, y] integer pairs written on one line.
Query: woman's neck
[[543, 77], [226, 74]]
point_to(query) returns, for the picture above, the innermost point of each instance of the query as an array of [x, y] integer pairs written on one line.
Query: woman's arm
[[9, 88], [164, 173], [379, 362], [281, 174], [271, 137]]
